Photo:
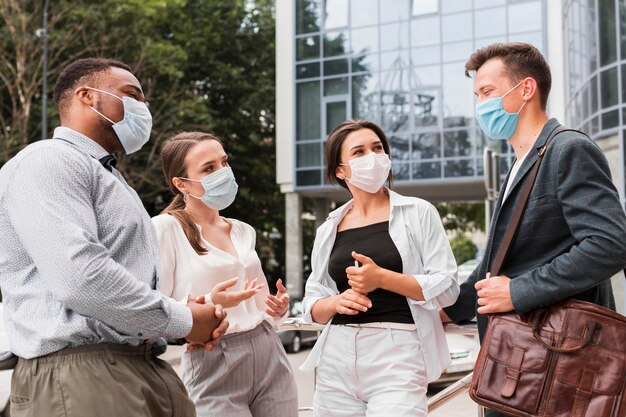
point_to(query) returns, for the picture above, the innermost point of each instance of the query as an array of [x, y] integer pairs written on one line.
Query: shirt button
[[139, 334]]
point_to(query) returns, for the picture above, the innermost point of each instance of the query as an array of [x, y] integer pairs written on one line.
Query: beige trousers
[[104, 380]]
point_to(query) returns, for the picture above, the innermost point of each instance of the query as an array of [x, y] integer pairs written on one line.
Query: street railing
[[459, 387]]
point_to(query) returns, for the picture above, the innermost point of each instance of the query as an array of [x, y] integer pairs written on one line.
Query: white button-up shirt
[[416, 229], [184, 272]]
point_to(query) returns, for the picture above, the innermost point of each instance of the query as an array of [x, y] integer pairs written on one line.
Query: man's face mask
[[496, 122], [133, 130]]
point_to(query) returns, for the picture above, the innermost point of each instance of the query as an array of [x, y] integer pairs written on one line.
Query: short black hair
[[81, 71]]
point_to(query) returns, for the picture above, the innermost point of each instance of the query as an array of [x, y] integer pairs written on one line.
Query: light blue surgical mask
[[496, 122], [220, 188], [133, 130]]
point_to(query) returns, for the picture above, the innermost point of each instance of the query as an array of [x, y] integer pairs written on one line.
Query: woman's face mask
[[220, 188], [369, 172], [134, 129]]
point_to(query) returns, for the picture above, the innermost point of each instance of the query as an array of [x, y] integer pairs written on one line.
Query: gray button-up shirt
[[78, 253]]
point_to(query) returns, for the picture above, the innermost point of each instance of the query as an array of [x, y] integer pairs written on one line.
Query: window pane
[[307, 16], [365, 40], [310, 177], [421, 7], [458, 51], [363, 12], [525, 17], [426, 105], [397, 61], [308, 48], [606, 15], [533, 38], [426, 146], [335, 114], [481, 43], [336, 14], [394, 36], [399, 148], [451, 6], [394, 11], [488, 3], [428, 76], [624, 82], [336, 66], [610, 119], [336, 86], [458, 143], [365, 97], [457, 27], [308, 70], [335, 43], [426, 55], [463, 168], [425, 170], [622, 23], [594, 94], [308, 110], [457, 95], [369, 63], [401, 172], [425, 31], [395, 111], [308, 155], [490, 22], [608, 87]]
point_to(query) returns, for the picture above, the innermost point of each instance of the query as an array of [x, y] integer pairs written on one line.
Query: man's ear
[[530, 89], [85, 95]]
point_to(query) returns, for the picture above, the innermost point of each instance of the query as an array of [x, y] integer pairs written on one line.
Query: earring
[[185, 197]]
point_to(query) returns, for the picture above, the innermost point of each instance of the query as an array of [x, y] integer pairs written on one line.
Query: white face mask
[[133, 130], [369, 172], [220, 188]]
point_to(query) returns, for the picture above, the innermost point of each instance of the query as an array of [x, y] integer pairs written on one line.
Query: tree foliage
[[204, 65]]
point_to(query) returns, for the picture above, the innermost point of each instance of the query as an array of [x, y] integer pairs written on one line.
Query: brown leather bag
[[566, 360]]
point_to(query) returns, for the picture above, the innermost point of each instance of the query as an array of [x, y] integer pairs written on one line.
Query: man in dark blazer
[[572, 236]]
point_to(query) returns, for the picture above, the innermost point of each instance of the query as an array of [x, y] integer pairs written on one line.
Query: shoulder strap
[[509, 235]]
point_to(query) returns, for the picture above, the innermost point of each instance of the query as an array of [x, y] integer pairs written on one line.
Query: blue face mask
[[496, 122], [220, 188]]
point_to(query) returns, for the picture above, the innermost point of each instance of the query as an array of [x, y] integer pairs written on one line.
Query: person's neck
[[201, 213], [365, 203], [91, 133], [528, 129]]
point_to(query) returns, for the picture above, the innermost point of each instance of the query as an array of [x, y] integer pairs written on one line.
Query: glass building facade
[[401, 64], [595, 37]]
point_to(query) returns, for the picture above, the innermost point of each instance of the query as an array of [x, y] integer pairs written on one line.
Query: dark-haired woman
[[248, 373], [381, 268]]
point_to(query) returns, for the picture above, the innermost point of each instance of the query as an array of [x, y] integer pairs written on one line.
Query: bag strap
[[511, 230]]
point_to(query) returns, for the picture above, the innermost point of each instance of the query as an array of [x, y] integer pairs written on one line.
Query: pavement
[[460, 406]]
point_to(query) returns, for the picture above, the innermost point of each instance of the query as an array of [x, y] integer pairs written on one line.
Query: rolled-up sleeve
[[439, 278], [50, 207]]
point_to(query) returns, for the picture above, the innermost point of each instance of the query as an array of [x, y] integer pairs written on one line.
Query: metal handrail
[[436, 401]]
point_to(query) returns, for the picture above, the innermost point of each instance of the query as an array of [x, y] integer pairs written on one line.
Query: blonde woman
[[202, 252]]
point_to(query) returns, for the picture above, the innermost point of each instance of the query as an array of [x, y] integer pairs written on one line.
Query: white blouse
[[183, 271]]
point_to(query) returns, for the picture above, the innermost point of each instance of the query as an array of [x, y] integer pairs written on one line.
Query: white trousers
[[371, 372]]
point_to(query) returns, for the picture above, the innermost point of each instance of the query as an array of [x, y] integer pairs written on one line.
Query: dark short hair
[[520, 60], [82, 71], [334, 145]]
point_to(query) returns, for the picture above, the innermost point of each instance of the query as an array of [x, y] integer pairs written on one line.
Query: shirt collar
[[81, 141], [395, 200]]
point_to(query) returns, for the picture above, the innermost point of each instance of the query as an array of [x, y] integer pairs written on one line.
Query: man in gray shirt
[[79, 263]]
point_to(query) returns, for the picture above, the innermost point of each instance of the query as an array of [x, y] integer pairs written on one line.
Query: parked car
[[295, 340]]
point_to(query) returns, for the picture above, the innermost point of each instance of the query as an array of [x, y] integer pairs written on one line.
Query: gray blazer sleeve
[[593, 212]]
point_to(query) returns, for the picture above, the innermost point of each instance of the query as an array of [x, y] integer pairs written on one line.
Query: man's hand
[[351, 302], [494, 295], [220, 295], [208, 323], [365, 278], [277, 305]]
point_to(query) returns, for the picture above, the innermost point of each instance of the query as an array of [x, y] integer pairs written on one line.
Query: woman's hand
[[277, 305], [365, 278], [351, 302], [220, 295]]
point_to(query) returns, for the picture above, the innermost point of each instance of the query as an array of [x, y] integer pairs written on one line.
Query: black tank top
[[373, 241]]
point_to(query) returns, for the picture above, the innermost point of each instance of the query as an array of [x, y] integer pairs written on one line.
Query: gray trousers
[[98, 381], [247, 375]]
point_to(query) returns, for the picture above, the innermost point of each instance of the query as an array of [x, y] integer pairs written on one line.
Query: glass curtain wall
[[401, 64], [595, 32]]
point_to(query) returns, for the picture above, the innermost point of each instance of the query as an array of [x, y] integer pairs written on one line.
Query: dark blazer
[[572, 237]]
